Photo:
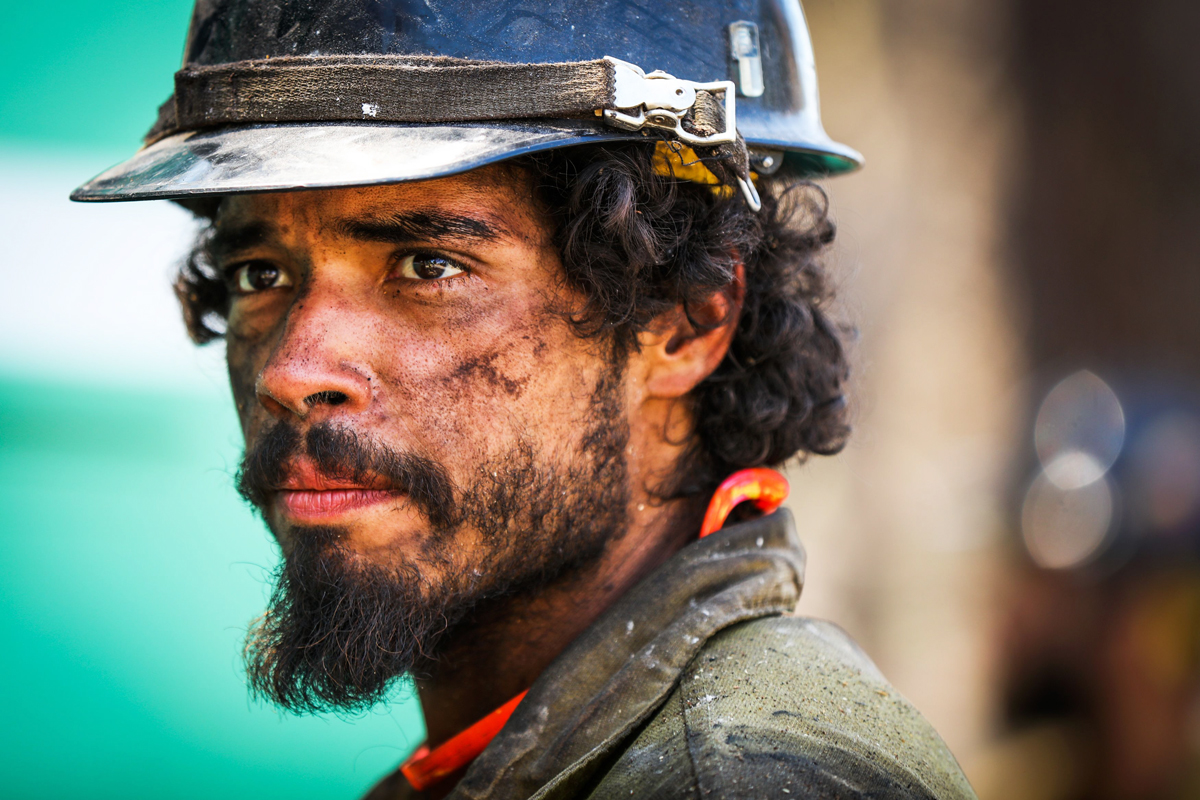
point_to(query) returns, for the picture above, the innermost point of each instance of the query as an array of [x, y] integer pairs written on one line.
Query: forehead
[[498, 198]]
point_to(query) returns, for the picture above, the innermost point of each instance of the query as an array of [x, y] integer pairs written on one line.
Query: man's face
[[423, 427]]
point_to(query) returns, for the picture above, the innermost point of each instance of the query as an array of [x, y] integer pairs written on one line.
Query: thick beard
[[338, 631]]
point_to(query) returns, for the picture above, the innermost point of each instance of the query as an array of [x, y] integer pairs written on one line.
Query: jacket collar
[[618, 672]]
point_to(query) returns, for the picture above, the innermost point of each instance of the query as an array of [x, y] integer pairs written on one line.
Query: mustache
[[341, 454]]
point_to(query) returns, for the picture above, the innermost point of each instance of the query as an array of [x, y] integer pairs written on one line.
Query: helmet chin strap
[[763, 487]]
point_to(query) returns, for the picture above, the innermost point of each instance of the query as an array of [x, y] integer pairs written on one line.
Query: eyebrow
[[397, 228], [418, 226], [232, 239]]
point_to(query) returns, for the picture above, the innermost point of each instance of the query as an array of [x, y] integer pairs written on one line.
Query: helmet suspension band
[[438, 89]]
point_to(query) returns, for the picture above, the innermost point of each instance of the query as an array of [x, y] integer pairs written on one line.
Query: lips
[[329, 503], [309, 496]]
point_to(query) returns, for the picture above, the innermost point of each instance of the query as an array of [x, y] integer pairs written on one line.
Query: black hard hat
[[291, 94]]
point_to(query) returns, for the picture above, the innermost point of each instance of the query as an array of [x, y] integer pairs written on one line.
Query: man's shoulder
[[785, 705]]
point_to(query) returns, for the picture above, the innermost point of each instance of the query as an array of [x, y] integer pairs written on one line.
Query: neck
[[504, 649]]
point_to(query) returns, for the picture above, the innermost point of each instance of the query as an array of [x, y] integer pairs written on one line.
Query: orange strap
[[426, 767], [766, 488]]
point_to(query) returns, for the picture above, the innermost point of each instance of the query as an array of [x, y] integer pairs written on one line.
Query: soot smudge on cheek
[[239, 358], [483, 369]]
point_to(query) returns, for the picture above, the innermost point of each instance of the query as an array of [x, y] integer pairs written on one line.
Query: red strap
[[766, 488], [424, 768]]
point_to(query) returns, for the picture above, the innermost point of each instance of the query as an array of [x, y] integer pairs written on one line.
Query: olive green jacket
[[699, 683]]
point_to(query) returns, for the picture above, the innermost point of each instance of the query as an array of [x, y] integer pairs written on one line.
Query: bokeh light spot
[[1081, 417], [1074, 469], [1065, 527]]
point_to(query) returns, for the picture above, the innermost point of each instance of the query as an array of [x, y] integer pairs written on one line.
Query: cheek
[[471, 389], [254, 317], [243, 359]]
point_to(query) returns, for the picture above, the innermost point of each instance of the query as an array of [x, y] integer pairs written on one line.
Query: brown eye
[[428, 268], [258, 276]]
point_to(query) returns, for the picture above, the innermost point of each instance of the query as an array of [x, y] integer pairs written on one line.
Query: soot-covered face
[[424, 430]]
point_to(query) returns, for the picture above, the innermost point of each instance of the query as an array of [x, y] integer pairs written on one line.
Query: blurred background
[[1013, 533]]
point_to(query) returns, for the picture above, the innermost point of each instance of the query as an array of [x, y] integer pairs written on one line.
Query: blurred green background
[[130, 567]]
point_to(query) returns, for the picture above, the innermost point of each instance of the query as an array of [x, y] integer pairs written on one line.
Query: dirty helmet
[[278, 95]]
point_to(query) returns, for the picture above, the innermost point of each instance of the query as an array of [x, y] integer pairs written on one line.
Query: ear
[[678, 355]]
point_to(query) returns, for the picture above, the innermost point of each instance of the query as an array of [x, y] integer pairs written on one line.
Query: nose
[[317, 364]]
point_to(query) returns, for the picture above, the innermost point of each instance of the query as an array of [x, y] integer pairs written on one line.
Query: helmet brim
[[286, 157]]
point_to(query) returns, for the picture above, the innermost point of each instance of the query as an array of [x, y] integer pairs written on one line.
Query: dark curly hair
[[638, 244]]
